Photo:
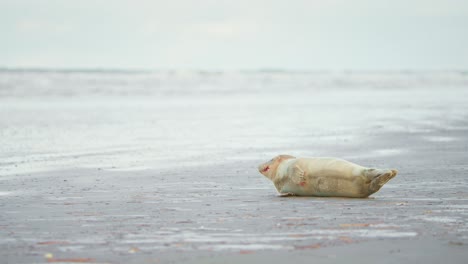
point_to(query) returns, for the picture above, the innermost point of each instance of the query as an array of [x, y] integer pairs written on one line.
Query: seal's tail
[[379, 178]]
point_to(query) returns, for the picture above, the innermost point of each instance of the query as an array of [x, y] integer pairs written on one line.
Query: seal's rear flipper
[[380, 179]]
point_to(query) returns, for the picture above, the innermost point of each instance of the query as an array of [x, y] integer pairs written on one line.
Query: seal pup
[[324, 177]]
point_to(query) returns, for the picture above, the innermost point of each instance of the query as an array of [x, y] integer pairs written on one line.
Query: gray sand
[[171, 177]]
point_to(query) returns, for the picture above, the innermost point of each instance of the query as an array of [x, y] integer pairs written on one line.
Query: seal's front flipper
[[285, 194], [297, 175]]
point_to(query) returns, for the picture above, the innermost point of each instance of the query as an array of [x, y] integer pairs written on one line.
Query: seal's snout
[[262, 168]]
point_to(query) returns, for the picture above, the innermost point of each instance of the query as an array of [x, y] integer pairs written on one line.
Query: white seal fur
[[324, 177]]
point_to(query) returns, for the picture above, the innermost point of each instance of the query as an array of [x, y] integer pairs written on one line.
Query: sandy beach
[[161, 167]]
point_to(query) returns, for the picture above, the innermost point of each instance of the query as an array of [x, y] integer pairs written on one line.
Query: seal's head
[[268, 169]]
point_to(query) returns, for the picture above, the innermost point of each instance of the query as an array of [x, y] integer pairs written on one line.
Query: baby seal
[[324, 177]]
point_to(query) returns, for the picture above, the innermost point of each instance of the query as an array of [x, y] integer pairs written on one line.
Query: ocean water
[[122, 120]]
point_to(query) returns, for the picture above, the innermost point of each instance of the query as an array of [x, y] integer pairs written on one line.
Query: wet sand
[[174, 180]]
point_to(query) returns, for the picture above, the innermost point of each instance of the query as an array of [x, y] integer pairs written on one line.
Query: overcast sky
[[237, 34]]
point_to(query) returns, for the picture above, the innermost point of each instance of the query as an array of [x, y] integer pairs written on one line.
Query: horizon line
[[200, 70]]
